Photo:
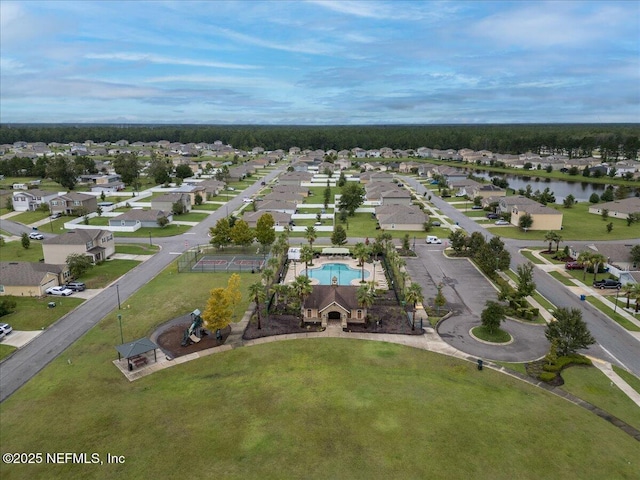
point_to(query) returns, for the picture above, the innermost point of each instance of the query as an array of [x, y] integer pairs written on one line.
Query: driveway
[[466, 291]]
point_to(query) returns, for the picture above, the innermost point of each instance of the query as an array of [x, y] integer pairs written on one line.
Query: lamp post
[[118, 294], [150, 244], [120, 322], [616, 303]]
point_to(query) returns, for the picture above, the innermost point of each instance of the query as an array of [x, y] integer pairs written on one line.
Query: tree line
[[576, 139]]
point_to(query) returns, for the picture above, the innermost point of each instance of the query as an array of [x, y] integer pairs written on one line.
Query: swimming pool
[[344, 273]]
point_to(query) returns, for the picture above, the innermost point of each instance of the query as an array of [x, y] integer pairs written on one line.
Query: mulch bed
[[171, 340]]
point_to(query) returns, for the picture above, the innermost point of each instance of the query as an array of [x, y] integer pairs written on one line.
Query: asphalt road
[[466, 291], [26, 362], [614, 343]]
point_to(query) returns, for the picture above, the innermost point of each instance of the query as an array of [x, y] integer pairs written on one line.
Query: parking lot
[[466, 291]]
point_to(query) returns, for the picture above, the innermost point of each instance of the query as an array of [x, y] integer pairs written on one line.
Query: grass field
[[532, 258], [190, 217], [498, 335], [27, 218], [592, 385], [102, 275], [207, 206], [167, 231], [579, 224], [13, 252], [615, 316], [6, 350], [562, 279], [33, 313], [324, 408], [137, 248], [632, 380]]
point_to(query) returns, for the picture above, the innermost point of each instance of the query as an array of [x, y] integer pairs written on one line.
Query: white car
[[247, 200], [502, 222], [62, 291], [36, 236], [5, 329], [432, 239]]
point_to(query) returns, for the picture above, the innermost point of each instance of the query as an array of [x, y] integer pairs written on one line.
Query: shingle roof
[[27, 273], [324, 295], [76, 237], [628, 205], [142, 215]]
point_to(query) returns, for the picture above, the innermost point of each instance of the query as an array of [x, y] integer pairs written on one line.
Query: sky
[[319, 62]]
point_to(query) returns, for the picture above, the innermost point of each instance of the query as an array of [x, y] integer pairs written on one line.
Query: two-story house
[[94, 243]]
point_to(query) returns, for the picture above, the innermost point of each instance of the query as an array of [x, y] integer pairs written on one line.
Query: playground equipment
[[194, 333]]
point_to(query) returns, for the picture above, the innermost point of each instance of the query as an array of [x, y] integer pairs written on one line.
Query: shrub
[[547, 376]]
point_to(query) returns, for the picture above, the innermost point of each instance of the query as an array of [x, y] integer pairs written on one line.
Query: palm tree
[[306, 255], [597, 259], [302, 288], [558, 239], [256, 292], [365, 295], [633, 292], [267, 276], [361, 252], [550, 237], [281, 292], [311, 234], [414, 295], [585, 259]]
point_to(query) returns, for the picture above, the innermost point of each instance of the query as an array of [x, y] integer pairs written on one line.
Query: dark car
[[573, 266], [76, 286], [602, 284], [476, 207], [493, 216]]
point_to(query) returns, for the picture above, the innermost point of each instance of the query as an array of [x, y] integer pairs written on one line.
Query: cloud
[[151, 58]]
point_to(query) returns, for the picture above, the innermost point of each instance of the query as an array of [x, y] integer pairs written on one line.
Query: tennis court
[[201, 260]]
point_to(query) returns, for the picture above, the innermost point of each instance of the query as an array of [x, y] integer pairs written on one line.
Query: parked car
[[76, 286], [56, 215], [502, 222], [60, 291], [433, 239], [608, 283], [476, 207], [5, 329], [436, 224], [492, 216], [36, 236], [247, 200], [573, 266]]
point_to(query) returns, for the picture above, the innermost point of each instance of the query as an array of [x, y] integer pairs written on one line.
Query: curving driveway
[[466, 291]]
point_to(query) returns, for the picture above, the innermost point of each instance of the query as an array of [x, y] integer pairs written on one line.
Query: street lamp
[[150, 244], [118, 294], [616, 303], [120, 322]]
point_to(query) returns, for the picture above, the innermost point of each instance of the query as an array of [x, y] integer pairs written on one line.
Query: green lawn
[[6, 350], [13, 252], [532, 258], [615, 316], [546, 304], [592, 385], [207, 206], [497, 336], [516, 367], [475, 213], [258, 412], [137, 248], [33, 313], [102, 275], [27, 218], [562, 279], [579, 224], [631, 379], [190, 217], [99, 221], [167, 231]]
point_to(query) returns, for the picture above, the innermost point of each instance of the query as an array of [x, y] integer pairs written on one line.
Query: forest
[[574, 139]]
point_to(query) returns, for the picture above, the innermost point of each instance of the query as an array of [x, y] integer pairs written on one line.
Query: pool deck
[[295, 268]]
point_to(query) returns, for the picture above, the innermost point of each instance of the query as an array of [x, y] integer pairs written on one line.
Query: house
[[333, 302], [618, 256], [401, 217], [280, 219], [165, 202], [294, 178], [618, 208], [30, 200], [277, 206], [506, 203], [286, 189], [74, 203], [485, 190], [284, 196], [95, 243], [544, 218], [31, 278], [193, 191], [212, 187], [368, 177], [387, 194], [138, 218], [409, 167]]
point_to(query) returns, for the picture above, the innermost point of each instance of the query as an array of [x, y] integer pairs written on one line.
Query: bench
[[138, 361]]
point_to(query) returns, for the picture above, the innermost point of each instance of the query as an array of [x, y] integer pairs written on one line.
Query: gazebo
[[133, 352]]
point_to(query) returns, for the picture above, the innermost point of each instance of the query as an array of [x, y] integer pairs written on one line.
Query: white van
[[433, 239]]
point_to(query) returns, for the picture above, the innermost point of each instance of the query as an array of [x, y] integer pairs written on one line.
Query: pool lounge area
[[345, 269]]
